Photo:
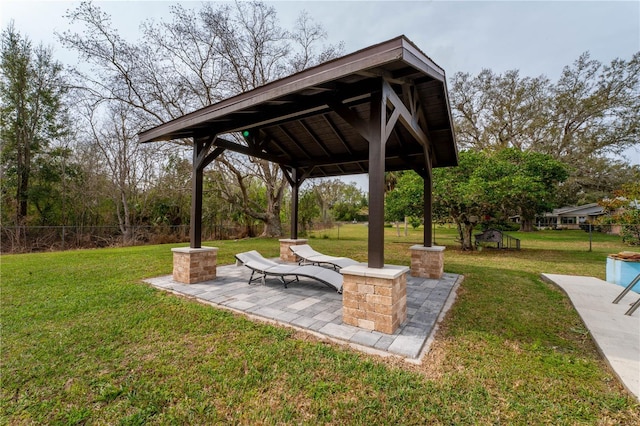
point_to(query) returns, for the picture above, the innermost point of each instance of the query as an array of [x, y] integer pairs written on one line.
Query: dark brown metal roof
[[296, 123]]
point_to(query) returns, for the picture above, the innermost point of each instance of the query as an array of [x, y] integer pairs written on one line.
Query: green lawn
[[84, 341]]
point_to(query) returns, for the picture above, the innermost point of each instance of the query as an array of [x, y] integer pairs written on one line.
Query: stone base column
[[194, 265], [374, 298], [427, 262], [285, 253]]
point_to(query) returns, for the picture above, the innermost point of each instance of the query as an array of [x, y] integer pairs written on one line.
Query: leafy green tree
[[595, 109], [406, 199], [526, 186], [507, 183], [308, 210], [32, 115], [457, 192], [350, 204]]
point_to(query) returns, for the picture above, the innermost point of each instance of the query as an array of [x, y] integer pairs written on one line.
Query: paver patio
[[312, 306]]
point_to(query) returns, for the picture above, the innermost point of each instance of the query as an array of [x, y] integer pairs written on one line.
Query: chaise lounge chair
[[264, 267], [309, 255]]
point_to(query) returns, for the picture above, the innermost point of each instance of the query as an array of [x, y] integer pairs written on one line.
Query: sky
[[534, 37]]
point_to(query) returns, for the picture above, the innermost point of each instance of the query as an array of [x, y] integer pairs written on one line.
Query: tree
[[595, 109], [591, 112], [51, 176], [338, 200], [406, 199], [594, 179], [308, 210], [171, 193], [351, 204], [32, 115], [196, 59], [527, 185], [494, 112], [498, 185], [238, 186], [307, 35], [128, 164]]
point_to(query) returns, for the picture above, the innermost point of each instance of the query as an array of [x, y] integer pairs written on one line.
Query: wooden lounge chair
[[264, 267], [307, 255]]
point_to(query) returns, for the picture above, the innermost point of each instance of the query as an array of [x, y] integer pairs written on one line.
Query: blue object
[[622, 272]]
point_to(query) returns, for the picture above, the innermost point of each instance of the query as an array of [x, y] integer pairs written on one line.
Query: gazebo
[[383, 108]]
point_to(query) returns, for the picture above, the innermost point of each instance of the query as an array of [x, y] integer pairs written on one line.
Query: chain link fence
[[50, 238], [15, 239]]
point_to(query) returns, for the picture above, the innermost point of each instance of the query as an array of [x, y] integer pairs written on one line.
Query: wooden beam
[[391, 123], [212, 156], [305, 106], [408, 120], [360, 125], [295, 189], [270, 141], [207, 143], [236, 147]]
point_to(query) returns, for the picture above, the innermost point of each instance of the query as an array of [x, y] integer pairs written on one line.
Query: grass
[[85, 342]]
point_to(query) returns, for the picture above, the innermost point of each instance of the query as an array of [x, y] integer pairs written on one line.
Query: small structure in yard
[[382, 108], [501, 239]]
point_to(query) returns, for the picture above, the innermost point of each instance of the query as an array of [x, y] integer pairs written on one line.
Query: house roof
[[310, 120], [583, 210]]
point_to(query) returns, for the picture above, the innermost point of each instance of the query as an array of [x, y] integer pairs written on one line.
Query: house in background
[[570, 217]]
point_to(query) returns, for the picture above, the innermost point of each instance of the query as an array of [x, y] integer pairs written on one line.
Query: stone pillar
[[285, 253], [194, 265], [427, 262], [374, 298]]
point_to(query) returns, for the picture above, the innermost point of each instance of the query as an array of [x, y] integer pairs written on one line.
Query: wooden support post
[[428, 218], [377, 121], [195, 226], [295, 187]]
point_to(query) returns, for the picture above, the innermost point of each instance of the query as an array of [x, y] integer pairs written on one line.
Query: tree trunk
[[271, 218], [526, 225], [128, 231], [272, 226], [465, 231], [22, 190], [467, 237]]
